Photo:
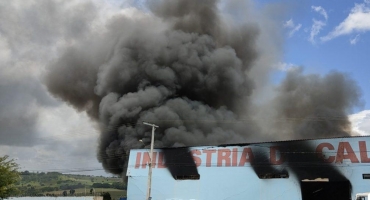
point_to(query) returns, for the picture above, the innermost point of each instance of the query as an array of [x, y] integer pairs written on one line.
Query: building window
[[187, 177], [366, 176], [271, 175]]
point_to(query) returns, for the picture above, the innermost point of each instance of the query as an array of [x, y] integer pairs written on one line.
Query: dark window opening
[[187, 177], [324, 190], [366, 176], [271, 175], [180, 163]]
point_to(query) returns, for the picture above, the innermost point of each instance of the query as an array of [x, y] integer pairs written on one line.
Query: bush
[[8, 177], [106, 196]]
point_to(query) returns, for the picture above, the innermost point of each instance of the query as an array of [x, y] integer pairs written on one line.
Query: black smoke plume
[[186, 68]]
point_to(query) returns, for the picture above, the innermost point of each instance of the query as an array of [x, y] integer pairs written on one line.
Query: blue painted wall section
[[301, 169]]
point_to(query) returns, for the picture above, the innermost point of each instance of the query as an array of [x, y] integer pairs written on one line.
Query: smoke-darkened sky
[[207, 73]]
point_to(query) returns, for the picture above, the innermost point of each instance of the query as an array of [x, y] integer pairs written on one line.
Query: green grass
[[38, 183]]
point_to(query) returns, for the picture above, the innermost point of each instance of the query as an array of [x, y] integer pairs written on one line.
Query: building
[[336, 168]]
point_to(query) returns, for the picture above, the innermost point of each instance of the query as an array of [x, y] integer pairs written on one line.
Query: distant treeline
[[116, 185], [36, 184]]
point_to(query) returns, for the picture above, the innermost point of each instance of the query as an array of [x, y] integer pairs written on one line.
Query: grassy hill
[[54, 183]]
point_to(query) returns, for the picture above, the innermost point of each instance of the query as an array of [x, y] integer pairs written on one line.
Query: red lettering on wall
[[345, 146], [230, 156], [223, 155], [319, 151], [138, 159], [161, 163], [146, 160], [209, 156], [234, 160], [247, 156], [197, 160], [363, 152], [274, 154]]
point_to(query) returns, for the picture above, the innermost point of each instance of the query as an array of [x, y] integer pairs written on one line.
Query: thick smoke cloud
[[317, 105], [310, 106], [186, 69]]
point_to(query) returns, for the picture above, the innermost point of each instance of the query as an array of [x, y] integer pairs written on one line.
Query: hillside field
[[54, 183]]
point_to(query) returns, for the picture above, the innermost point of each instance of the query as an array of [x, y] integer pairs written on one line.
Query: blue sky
[[340, 43]]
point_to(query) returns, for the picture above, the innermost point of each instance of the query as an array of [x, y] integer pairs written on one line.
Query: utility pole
[[149, 188]]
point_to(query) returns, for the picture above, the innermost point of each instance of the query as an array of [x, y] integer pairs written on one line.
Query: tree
[[8, 177], [25, 173]]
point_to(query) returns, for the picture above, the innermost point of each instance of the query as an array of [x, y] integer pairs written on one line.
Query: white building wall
[[230, 178]]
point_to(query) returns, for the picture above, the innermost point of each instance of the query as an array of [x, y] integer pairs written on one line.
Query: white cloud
[[315, 29], [4, 50], [67, 143], [317, 25], [360, 123], [293, 28], [40, 132], [320, 10], [354, 40], [285, 66], [357, 21], [289, 24]]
